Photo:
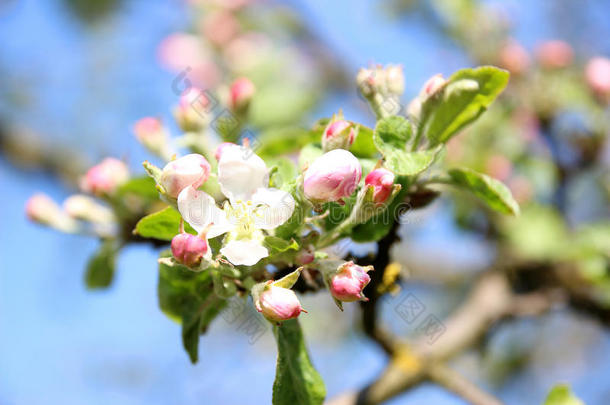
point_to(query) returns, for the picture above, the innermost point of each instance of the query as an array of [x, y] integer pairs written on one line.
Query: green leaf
[[495, 194], [162, 225], [308, 154], [188, 297], [282, 140], [363, 146], [406, 163], [283, 172], [279, 104], [296, 380], [392, 134], [379, 226], [279, 245], [562, 395], [101, 266], [289, 279], [465, 96], [144, 187]]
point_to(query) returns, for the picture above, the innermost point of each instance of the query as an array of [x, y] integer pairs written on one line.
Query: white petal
[[274, 207], [244, 252], [241, 172], [199, 210]]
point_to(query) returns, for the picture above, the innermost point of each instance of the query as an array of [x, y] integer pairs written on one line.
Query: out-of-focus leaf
[[282, 140], [493, 192], [162, 225], [101, 266], [296, 380], [279, 104], [562, 395], [465, 96], [283, 172], [143, 187], [308, 154]]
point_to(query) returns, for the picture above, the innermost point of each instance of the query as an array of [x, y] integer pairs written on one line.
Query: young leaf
[[462, 100], [562, 395], [491, 191], [279, 245], [162, 225], [101, 266], [392, 134], [296, 380], [406, 163], [289, 279], [188, 297], [308, 154], [363, 146]]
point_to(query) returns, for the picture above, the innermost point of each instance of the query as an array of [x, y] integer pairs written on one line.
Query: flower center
[[243, 215]]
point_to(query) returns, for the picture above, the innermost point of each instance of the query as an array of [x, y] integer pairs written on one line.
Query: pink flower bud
[[432, 86], [383, 182], [193, 110], [221, 148], [349, 281], [278, 304], [498, 167], [597, 74], [189, 249], [339, 134], [395, 80], [40, 208], [190, 170], [150, 132], [105, 177], [332, 176], [514, 57], [555, 54], [242, 90]]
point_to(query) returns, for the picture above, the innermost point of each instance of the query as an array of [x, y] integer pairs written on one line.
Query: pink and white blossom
[[332, 177], [189, 249], [383, 182], [349, 281], [105, 177], [278, 304], [189, 170]]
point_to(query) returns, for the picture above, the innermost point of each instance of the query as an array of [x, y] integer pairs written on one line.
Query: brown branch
[[456, 383]]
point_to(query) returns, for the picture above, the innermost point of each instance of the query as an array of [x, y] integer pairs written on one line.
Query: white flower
[[252, 207]]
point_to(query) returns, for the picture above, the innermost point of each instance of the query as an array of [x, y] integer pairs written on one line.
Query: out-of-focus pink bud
[[150, 132], [339, 134], [332, 176], [305, 256], [432, 85], [221, 148], [521, 188], [349, 281], [514, 57], [241, 92], [189, 249], [383, 182], [179, 51], [41, 208], [597, 74], [190, 170], [248, 50], [395, 79], [554, 54], [220, 27], [278, 304], [105, 177], [499, 167], [193, 110], [84, 207]]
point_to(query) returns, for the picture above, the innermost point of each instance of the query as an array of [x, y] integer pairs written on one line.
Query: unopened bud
[[241, 92], [105, 177], [432, 86], [339, 134], [193, 110], [190, 170], [514, 57], [42, 209], [151, 133], [332, 177], [83, 207], [189, 249], [349, 281], [383, 182], [395, 79], [555, 54], [278, 304], [597, 74]]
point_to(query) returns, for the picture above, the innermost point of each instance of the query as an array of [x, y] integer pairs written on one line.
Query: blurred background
[[76, 75]]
